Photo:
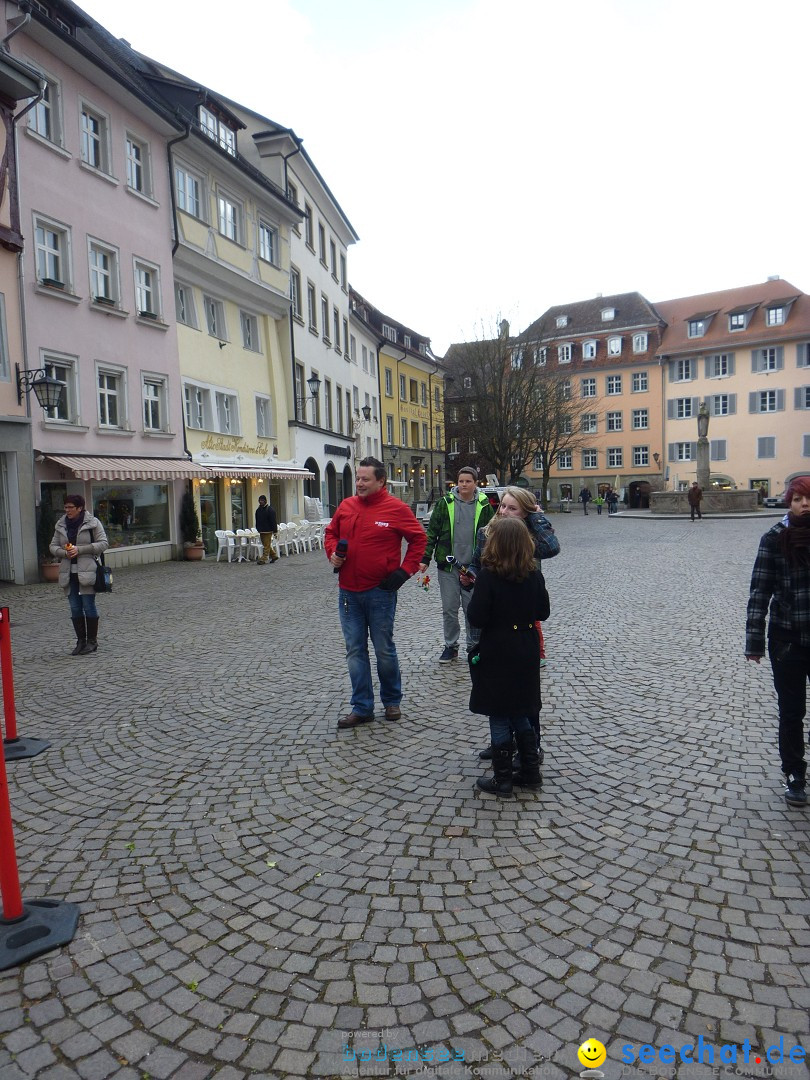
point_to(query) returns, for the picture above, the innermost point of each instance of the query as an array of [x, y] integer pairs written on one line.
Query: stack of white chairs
[[304, 535], [255, 545], [225, 542], [292, 536], [283, 538], [243, 544]]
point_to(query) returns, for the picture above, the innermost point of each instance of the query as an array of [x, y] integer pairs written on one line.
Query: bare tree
[[514, 406]]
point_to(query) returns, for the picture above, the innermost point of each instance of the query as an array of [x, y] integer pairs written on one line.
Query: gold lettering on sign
[[232, 444]]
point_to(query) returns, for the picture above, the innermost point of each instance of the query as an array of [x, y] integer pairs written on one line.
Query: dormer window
[[608, 314], [697, 328], [562, 321], [614, 346], [389, 332], [639, 343], [564, 354], [217, 130], [775, 316], [738, 320], [588, 350]]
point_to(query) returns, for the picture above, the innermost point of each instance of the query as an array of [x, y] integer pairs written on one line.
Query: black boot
[[500, 783], [91, 644], [528, 775], [486, 753], [81, 635]]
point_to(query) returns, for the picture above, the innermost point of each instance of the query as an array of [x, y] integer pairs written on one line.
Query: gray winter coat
[[92, 540]]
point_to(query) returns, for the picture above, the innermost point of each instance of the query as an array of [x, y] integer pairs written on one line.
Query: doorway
[[209, 515]]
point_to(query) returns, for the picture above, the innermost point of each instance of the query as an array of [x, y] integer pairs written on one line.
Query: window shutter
[[803, 355], [692, 366], [753, 401], [800, 397], [709, 367], [806, 446], [780, 400], [732, 404], [671, 409], [695, 406], [780, 357], [693, 451], [671, 451], [756, 356], [717, 450], [731, 363]]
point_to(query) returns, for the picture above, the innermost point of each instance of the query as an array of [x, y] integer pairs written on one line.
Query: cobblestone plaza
[[264, 896]]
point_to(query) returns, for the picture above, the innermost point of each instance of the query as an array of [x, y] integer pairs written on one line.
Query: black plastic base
[[45, 925], [17, 749]]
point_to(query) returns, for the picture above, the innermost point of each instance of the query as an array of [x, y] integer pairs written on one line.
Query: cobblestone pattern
[[254, 884]]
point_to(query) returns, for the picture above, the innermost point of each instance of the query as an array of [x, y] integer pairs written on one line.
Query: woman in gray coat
[[79, 536]]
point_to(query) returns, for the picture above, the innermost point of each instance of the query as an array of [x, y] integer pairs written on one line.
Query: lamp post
[[48, 390], [314, 384]]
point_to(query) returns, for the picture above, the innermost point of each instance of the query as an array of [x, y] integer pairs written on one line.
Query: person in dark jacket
[[509, 598], [267, 526], [77, 538], [693, 497], [780, 594], [584, 497]]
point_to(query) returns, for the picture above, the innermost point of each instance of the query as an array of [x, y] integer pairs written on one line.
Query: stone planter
[[49, 571], [194, 552]]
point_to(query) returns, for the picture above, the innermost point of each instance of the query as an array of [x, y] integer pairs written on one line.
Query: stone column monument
[[703, 469]]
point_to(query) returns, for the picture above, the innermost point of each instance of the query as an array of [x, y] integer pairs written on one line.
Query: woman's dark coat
[[506, 679]]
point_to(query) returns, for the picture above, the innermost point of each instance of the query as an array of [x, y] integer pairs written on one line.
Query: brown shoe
[[393, 712], [353, 719]]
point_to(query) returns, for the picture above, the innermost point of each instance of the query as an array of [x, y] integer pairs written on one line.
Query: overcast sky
[[497, 157]]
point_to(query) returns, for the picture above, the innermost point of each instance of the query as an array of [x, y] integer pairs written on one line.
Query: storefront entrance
[[238, 506], [209, 515]]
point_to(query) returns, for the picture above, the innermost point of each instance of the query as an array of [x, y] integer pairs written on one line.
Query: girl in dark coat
[[509, 598]]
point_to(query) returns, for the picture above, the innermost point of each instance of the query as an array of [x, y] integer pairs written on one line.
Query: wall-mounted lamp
[[393, 452], [48, 390], [314, 384]]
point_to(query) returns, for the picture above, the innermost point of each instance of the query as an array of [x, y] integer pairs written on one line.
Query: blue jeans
[[82, 605], [501, 729], [370, 613]]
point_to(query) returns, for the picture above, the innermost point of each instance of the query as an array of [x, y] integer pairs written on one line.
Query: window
[[423, 390], [346, 341], [94, 142], [589, 423], [403, 433], [684, 408], [325, 317], [312, 307], [110, 398], [437, 435], [517, 359], [452, 447], [389, 332], [295, 292], [333, 259], [138, 170], [364, 351], [45, 118], [738, 320], [473, 412], [436, 402], [227, 413], [424, 436], [564, 354], [215, 317], [589, 459], [639, 382], [682, 370], [540, 357], [389, 387], [608, 314], [154, 395], [230, 218], [682, 451], [803, 355], [352, 353], [641, 419], [589, 350], [589, 387], [327, 404], [770, 359], [766, 446], [336, 328], [103, 263], [413, 387], [614, 346], [562, 321], [250, 331], [801, 398], [565, 390], [614, 421], [217, 130], [52, 249], [565, 459], [339, 408], [615, 457], [720, 365], [147, 293], [717, 449], [189, 192], [466, 382], [268, 243], [389, 429], [775, 316], [264, 417], [308, 227], [641, 456], [696, 328], [614, 384], [343, 272], [5, 373], [567, 426], [639, 343], [322, 243], [292, 193], [453, 414], [63, 369], [472, 446], [723, 404], [184, 306], [762, 401], [403, 388]]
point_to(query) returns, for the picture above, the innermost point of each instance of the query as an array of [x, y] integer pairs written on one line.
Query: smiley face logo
[[592, 1054]]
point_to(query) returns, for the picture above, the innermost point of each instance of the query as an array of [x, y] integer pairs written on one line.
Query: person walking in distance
[[584, 498], [693, 497], [451, 534], [267, 526], [370, 527], [780, 594]]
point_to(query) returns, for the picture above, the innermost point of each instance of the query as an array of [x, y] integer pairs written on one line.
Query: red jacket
[[375, 528]]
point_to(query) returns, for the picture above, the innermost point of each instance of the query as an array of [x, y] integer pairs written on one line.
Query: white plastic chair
[[292, 536], [225, 542], [283, 539], [305, 535], [255, 545]]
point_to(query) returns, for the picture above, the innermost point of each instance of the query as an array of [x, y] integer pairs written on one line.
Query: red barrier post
[[9, 877], [14, 748]]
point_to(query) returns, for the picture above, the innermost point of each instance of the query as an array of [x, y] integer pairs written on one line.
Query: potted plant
[[190, 528], [48, 564]]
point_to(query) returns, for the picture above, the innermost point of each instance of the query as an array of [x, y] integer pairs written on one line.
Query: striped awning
[[262, 472], [85, 467]]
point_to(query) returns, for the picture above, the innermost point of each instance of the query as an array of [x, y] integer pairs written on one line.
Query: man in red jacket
[[373, 524]]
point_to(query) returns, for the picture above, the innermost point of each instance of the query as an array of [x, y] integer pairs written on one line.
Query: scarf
[[72, 528], [795, 540]]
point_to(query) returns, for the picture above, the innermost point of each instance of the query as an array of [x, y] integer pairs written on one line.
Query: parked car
[[774, 500]]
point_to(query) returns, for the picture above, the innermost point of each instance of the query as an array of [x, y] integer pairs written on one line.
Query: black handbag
[[104, 578]]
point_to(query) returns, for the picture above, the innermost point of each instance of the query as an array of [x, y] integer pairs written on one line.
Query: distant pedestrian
[[267, 527], [599, 502], [693, 497], [78, 537], [780, 593], [612, 500], [585, 498]]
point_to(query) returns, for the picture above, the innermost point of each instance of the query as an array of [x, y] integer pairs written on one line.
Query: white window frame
[[389, 429], [64, 368], [312, 306], [588, 387], [185, 305], [767, 401], [133, 146], [45, 119], [226, 412], [613, 385], [641, 419], [157, 398], [116, 393], [325, 318], [403, 431], [264, 416], [215, 322], [389, 385], [268, 242], [589, 350], [614, 346], [403, 388], [564, 353], [94, 138], [684, 370], [614, 420], [641, 456], [147, 288], [389, 332], [775, 316], [615, 457], [696, 328], [565, 459], [197, 406], [217, 130], [640, 343], [105, 283], [295, 292], [641, 382], [249, 328], [683, 408], [683, 451], [590, 423], [53, 262], [189, 189], [230, 215]]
